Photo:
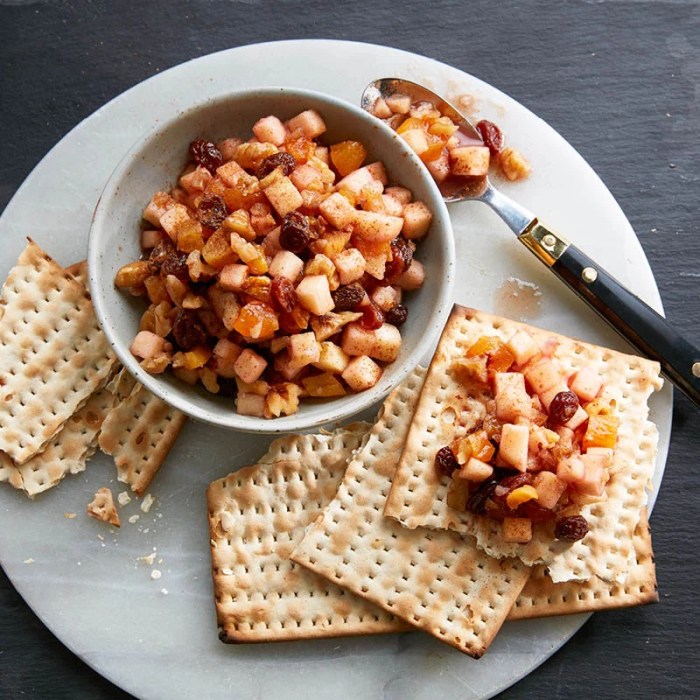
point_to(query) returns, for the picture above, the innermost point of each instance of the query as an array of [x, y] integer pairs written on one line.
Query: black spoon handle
[[648, 331]]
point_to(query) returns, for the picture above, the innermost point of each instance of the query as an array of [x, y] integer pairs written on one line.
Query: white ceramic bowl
[[155, 162]]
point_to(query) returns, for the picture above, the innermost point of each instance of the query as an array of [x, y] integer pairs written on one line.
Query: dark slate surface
[[620, 81]]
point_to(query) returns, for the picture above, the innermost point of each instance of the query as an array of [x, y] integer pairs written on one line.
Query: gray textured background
[[620, 80]]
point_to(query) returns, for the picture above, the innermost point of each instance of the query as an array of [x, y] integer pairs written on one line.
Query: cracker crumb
[[148, 558], [29, 561], [148, 501], [100, 537], [226, 571], [70, 516], [134, 518], [124, 498], [155, 574], [164, 591]]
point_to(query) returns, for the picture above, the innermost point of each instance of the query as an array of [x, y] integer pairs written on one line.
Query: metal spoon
[[637, 322]]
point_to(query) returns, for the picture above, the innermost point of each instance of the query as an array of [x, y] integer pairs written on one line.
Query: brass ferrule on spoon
[[637, 322]]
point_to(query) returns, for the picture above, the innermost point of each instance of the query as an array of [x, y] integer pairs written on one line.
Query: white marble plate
[[94, 595]]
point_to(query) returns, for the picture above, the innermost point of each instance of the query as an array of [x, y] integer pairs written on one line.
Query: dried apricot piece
[[347, 156]]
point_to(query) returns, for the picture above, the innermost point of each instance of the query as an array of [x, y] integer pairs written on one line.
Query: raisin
[[295, 233], [445, 461], [401, 256], [159, 255], [187, 330], [295, 320], [206, 154], [372, 317], [571, 529], [283, 295], [397, 315], [562, 408], [348, 297], [477, 501], [285, 161], [175, 264], [211, 211], [492, 136], [516, 480]]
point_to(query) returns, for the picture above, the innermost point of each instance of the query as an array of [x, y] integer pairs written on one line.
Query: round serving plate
[[157, 638]]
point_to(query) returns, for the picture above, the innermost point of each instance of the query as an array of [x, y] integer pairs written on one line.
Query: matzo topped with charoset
[[418, 496]]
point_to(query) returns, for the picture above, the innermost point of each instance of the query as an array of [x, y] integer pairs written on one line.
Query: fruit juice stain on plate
[[517, 299]]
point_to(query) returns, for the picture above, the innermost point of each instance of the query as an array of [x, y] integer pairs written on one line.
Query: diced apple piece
[[571, 469], [378, 171], [543, 376], [416, 220], [542, 438], [549, 488], [586, 384], [514, 444], [285, 366], [475, 470], [522, 346], [225, 305], [605, 452], [412, 278], [226, 353], [595, 476], [231, 173], [271, 242], [399, 103], [286, 264], [377, 227], [579, 418], [381, 109], [355, 181], [195, 181], [512, 401], [470, 160], [383, 343], [332, 358], [228, 148], [518, 530], [249, 366], [392, 206], [232, 277], [350, 265], [283, 196], [416, 139], [250, 405], [175, 216], [315, 295], [337, 210], [403, 194], [270, 129], [439, 167], [261, 219], [386, 297], [306, 177], [375, 265], [146, 345], [362, 373], [309, 123], [159, 204], [304, 349]]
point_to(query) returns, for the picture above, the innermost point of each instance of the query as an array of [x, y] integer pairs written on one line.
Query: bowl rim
[[340, 408]]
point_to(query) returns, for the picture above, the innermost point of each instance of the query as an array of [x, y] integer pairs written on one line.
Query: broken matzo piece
[[79, 272], [69, 450], [445, 411], [102, 507], [256, 517], [9, 472], [542, 598], [434, 580], [138, 433], [53, 355]]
